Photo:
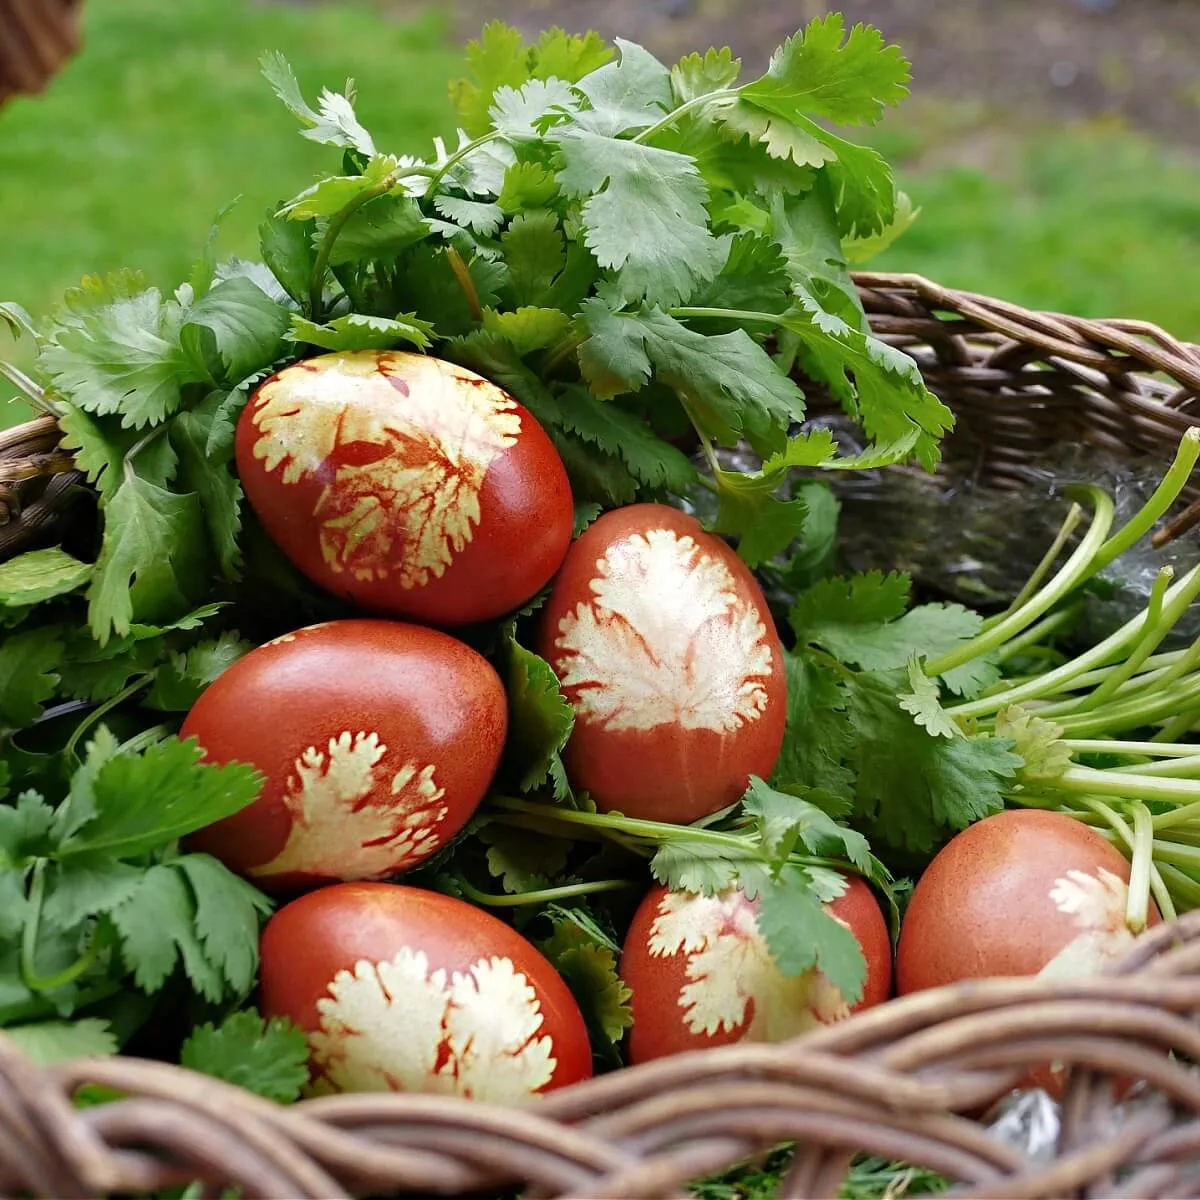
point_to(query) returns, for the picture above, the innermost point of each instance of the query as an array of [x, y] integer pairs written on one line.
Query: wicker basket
[[36, 38], [906, 1080]]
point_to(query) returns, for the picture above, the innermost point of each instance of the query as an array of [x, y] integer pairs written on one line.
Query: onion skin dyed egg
[[1019, 893], [409, 486], [664, 646], [701, 974], [402, 989], [377, 739]]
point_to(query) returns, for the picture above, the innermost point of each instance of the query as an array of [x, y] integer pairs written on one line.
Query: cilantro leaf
[[334, 124], [498, 58], [754, 277], [25, 828], [138, 802], [589, 969], [232, 331], [47, 1042], [643, 215], [699, 75], [528, 187], [1037, 741], [330, 195], [540, 720], [528, 111], [631, 93], [179, 682], [380, 229], [801, 934], [924, 703], [116, 351], [521, 859], [151, 559], [818, 734], [212, 482], [568, 56], [543, 271], [913, 790], [730, 383], [648, 457], [288, 250], [528, 328], [39, 575], [354, 331], [269, 1058], [87, 886], [783, 820], [749, 508], [686, 865], [227, 918], [816, 72], [27, 674]]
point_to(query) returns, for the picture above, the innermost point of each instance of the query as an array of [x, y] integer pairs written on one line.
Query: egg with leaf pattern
[[407, 485]]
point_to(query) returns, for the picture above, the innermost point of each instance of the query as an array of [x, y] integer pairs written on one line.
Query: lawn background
[[164, 119]]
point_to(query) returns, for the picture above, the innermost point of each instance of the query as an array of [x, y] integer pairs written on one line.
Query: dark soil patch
[[1134, 60]]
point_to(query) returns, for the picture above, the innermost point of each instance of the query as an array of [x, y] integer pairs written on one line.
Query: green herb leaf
[[212, 481], [27, 674], [632, 93], [1037, 741], [151, 560], [687, 865], [783, 820], [178, 684], [39, 575], [699, 75], [528, 328], [334, 124], [499, 58], [801, 934], [138, 802], [357, 332], [540, 720], [114, 350], [521, 859], [47, 1042], [268, 1058], [924, 703], [288, 250], [380, 229], [85, 887], [643, 215], [233, 331], [590, 970]]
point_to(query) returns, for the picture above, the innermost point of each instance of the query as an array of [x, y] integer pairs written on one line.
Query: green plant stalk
[[1183, 887], [543, 895], [1066, 529], [1138, 841], [1175, 604], [1173, 768], [683, 109], [1155, 629], [1116, 746], [1178, 816], [1134, 713], [437, 174], [1137, 909], [29, 937], [1157, 506], [1087, 781], [1179, 725], [1037, 633], [1059, 587], [100, 712]]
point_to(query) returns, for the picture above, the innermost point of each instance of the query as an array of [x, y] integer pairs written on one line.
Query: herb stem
[[1091, 782], [1115, 746], [558, 354], [463, 274], [1057, 589], [101, 711], [1068, 527], [29, 941], [1133, 840], [683, 109], [543, 895], [1179, 725], [29, 388], [468, 148], [1137, 909], [1174, 767], [1159, 503], [1038, 632]]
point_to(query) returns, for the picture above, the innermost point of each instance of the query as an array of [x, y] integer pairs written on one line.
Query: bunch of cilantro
[[651, 259]]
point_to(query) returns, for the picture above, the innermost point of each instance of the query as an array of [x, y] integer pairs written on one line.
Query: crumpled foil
[[978, 544]]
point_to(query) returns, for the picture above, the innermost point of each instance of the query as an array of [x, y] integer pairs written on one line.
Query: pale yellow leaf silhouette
[[1097, 902]]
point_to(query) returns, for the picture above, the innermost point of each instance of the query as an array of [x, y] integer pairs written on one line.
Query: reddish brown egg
[[401, 989], [377, 739], [410, 486], [665, 648], [701, 974], [1019, 893]]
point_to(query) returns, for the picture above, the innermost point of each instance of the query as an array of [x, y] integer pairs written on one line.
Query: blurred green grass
[[164, 119]]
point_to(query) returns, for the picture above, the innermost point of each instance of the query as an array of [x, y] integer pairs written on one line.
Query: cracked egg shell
[[664, 646], [377, 739], [402, 989], [701, 974], [1023, 892], [409, 486]]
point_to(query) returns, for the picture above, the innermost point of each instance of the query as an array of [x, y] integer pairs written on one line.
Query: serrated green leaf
[[632, 93], [152, 558], [589, 969], [822, 72], [684, 865], [481, 217], [699, 75], [331, 194], [25, 828], [784, 819], [528, 328], [730, 385], [380, 229], [522, 860], [527, 112], [28, 675], [1037, 741], [39, 575], [333, 124], [498, 58], [140, 802], [179, 683], [14, 907], [569, 56], [288, 250], [268, 1058], [216, 486], [528, 186], [355, 331], [540, 720], [232, 331], [121, 357], [643, 215], [535, 252], [48, 1042], [85, 887], [924, 704], [801, 935]]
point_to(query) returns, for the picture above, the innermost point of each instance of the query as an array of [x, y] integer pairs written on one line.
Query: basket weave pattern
[[906, 1080], [36, 39], [897, 1080]]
